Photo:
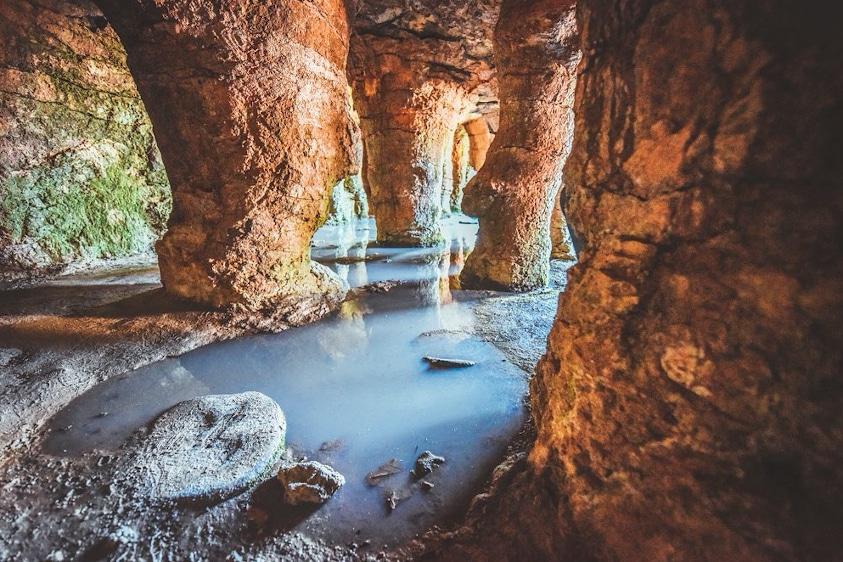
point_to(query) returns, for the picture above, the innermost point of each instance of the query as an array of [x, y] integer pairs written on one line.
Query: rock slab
[[210, 448]]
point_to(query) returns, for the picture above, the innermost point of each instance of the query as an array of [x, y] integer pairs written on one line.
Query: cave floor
[[102, 353]]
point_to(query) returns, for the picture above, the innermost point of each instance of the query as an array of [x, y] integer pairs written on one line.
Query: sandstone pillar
[[418, 71], [537, 51], [688, 405], [247, 100], [408, 124]]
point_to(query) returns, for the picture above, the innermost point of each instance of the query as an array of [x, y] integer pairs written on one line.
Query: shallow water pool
[[355, 390]]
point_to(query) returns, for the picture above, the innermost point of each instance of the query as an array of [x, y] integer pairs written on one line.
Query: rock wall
[[419, 70], [80, 175], [247, 102], [537, 50], [688, 404]]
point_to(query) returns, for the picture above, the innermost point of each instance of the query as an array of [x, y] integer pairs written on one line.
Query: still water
[[355, 389]]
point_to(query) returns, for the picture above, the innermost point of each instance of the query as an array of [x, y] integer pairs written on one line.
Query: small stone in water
[[334, 445], [445, 363], [392, 500], [427, 485], [309, 482], [426, 463]]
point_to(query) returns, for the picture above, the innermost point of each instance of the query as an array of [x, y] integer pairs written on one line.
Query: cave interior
[[486, 280]]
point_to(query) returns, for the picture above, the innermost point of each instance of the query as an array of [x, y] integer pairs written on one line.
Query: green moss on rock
[[76, 210], [80, 174]]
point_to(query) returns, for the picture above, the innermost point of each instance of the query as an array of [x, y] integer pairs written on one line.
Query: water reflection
[[354, 388]]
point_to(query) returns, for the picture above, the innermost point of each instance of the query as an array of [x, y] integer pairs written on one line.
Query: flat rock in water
[[209, 448], [387, 469], [308, 482], [447, 363]]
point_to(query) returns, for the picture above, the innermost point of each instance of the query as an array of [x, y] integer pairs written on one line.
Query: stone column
[[460, 156], [537, 51], [408, 123], [247, 100], [688, 407]]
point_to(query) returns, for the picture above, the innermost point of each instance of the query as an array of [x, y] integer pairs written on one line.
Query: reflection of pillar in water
[[433, 287], [358, 275], [445, 296], [458, 251], [343, 339]]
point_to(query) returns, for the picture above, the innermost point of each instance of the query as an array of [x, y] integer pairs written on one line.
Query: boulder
[[308, 482], [209, 448]]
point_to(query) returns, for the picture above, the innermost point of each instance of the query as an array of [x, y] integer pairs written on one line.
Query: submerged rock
[[309, 482], [392, 500], [387, 469], [209, 448], [446, 363], [427, 463]]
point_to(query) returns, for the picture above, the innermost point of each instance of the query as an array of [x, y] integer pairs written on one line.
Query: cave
[[420, 280]]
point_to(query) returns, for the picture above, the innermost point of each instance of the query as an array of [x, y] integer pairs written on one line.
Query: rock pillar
[[408, 124], [561, 245], [247, 100], [419, 70], [537, 51], [688, 405]]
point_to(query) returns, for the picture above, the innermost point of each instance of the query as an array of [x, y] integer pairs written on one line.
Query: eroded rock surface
[[537, 51], [208, 448], [247, 103], [419, 70], [80, 175], [348, 201]]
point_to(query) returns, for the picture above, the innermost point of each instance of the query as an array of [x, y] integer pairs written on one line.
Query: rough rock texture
[[80, 175], [419, 70], [688, 407], [537, 50], [208, 448], [480, 137], [244, 99], [308, 482]]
